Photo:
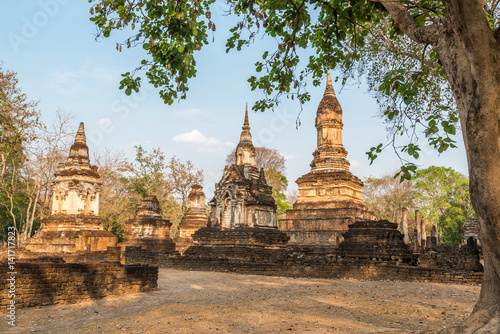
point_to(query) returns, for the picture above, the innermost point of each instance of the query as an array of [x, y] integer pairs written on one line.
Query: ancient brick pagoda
[[375, 241], [329, 195], [74, 224], [148, 229], [242, 211], [242, 197], [194, 218]]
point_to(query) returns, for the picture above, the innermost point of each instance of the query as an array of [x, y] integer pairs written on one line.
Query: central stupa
[[329, 195]]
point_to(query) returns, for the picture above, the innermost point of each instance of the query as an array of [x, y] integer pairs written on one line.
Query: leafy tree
[[279, 182], [273, 163], [18, 119], [452, 224], [387, 196], [150, 175], [435, 186], [29, 153], [116, 204], [458, 210], [183, 176], [443, 198], [456, 41], [441, 194]]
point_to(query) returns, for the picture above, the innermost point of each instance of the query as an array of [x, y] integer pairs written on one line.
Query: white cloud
[[355, 163], [196, 137], [103, 121], [206, 144]]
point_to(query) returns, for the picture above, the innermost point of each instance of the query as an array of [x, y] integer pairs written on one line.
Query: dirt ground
[[208, 302]]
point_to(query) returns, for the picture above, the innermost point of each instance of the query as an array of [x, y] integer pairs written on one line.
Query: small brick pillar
[[416, 244], [434, 237], [423, 235], [418, 227]]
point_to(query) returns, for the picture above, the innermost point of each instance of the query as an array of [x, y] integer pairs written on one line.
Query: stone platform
[[321, 226], [240, 237], [71, 234], [375, 241]]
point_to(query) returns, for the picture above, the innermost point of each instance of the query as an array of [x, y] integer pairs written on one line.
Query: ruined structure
[[242, 211], [194, 218], [74, 224], [242, 197], [472, 230], [465, 258], [56, 282], [371, 250], [329, 195], [376, 241], [148, 229], [418, 237]]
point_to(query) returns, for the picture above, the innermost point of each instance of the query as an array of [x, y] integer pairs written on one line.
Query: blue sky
[[51, 45]]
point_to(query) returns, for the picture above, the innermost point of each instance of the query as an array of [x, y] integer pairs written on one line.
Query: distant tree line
[[441, 194]]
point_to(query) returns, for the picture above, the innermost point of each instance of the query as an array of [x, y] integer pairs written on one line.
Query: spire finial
[[246, 116], [80, 134], [79, 151], [329, 86], [245, 151]]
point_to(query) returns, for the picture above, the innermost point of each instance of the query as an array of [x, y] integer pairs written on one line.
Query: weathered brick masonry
[[48, 283], [308, 263], [316, 262]]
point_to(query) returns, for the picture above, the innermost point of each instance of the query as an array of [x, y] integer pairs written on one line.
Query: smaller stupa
[[194, 218], [148, 229], [74, 224]]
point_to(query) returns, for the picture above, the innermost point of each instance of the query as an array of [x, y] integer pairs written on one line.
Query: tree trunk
[[473, 68], [469, 53]]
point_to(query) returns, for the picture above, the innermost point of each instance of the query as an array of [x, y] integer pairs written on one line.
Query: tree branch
[[405, 22]]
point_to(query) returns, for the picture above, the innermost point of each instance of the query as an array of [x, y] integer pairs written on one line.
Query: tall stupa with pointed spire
[[329, 195], [75, 189], [242, 211], [243, 197], [74, 224]]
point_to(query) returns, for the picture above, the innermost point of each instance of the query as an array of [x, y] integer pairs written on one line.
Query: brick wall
[[319, 266], [47, 283], [298, 262]]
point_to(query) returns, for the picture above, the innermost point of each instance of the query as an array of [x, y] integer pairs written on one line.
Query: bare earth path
[[207, 302]]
